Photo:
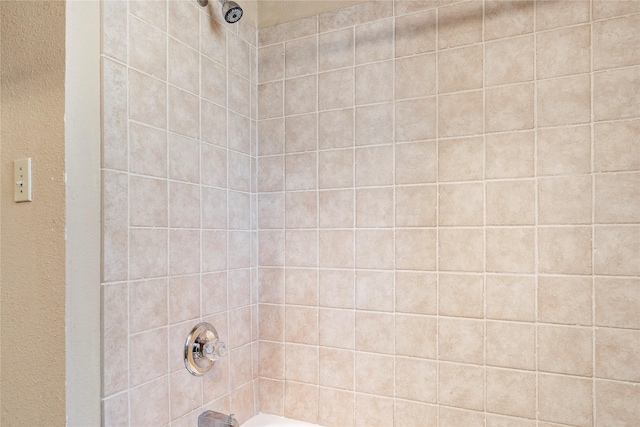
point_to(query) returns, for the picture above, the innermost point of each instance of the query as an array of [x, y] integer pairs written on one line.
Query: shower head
[[231, 10]]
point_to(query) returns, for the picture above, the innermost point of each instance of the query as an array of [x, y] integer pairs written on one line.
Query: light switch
[[22, 180]]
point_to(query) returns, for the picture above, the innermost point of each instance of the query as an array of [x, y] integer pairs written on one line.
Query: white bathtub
[[266, 420]]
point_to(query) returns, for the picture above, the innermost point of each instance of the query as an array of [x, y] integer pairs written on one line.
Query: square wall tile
[[565, 299], [509, 61], [452, 31], [565, 250], [564, 399], [511, 345], [461, 295], [337, 368], [563, 52], [565, 350], [616, 302]]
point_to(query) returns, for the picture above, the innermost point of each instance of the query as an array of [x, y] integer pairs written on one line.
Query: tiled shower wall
[[178, 235], [448, 209]]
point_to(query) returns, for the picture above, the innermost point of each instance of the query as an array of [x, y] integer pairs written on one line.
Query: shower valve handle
[[214, 350]]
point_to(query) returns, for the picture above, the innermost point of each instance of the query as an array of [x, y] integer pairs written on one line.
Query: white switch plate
[[22, 180]]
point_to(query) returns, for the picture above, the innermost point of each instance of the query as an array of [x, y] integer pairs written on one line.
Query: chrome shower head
[[231, 10]]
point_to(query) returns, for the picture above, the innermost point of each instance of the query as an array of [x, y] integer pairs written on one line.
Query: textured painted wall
[[32, 264]]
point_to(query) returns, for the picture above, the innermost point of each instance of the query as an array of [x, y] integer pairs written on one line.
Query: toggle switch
[[22, 179]]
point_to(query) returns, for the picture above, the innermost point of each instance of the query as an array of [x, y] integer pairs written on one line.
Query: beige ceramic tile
[[336, 129], [301, 325], [510, 250], [415, 33], [511, 392], [336, 407], [614, 250], [617, 198], [460, 69], [509, 155], [182, 17], [300, 56], [564, 101], [564, 150], [369, 327], [271, 360], [615, 403], [374, 82], [147, 253], [416, 379], [374, 41], [155, 365], [301, 209], [374, 290], [461, 249], [335, 49], [335, 168], [461, 295], [115, 226], [214, 81], [114, 29], [336, 208], [565, 350], [373, 124], [415, 292], [507, 18], [460, 114], [614, 146], [336, 248], [300, 133], [271, 322], [373, 411], [566, 400], [301, 402], [336, 288], [565, 299], [271, 60], [183, 66], [270, 100], [615, 42], [460, 159], [415, 206], [271, 395], [337, 368], [564, 200], [374, 374], [301, 248], [148, 304], [185, 394], [116, 410], [270, 211], [416, 162], [184, 113], [184, 206], [183, 154], [147, 48], [511, 297], [509, 61], [415, 249], [565, 250], [460, 417], [511, 202], [415, 76], [335, 89], [409, 413], [614, 96], [301, 286], [454, 31], [374, 166], [461, 386], [415, 119], [616, 302], [155, 411], [147, 100], [509, 108], [563, 52], [416, 336], [616, 353], [511, 345], [115, 337], [301, 363], [300, 171], [461, 340], [184, 252], [114, 115], [336, 328], [374, 207], [560, 13]]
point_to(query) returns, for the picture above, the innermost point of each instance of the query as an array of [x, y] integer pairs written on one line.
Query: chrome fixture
[[231, 10], [216, 419], [203, 349]]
